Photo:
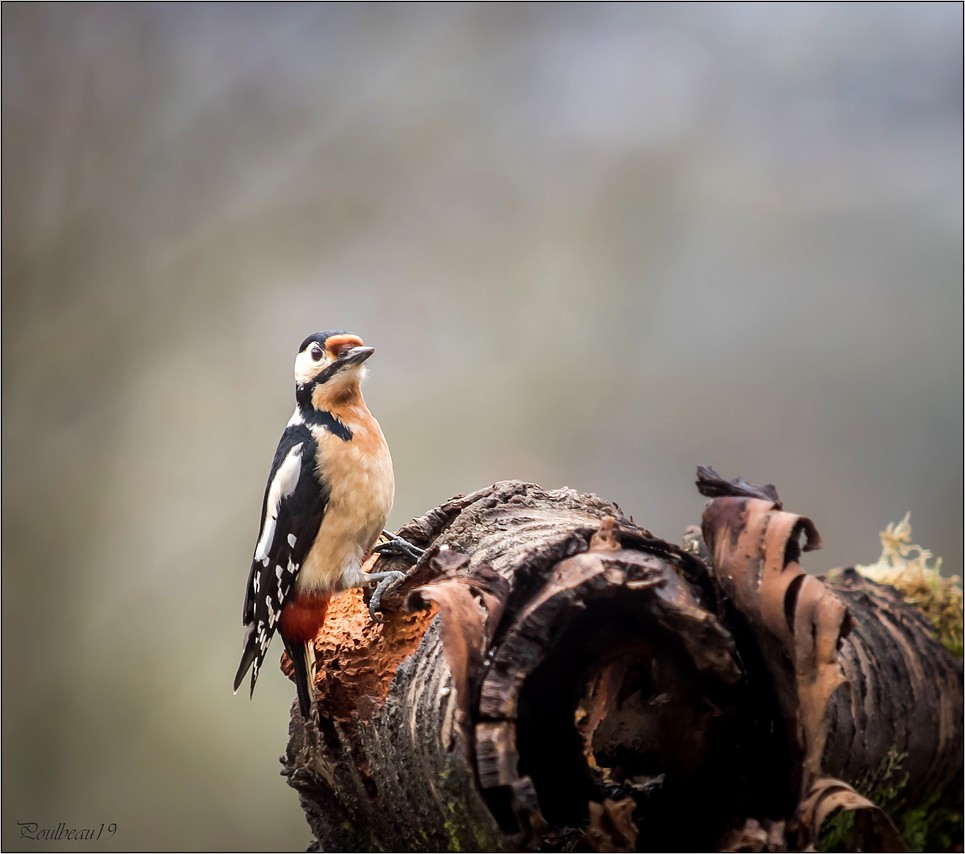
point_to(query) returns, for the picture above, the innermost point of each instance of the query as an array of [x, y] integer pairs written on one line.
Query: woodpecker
[[329, 492]]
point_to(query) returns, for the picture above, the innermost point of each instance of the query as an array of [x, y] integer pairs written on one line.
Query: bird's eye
[[316, 354]]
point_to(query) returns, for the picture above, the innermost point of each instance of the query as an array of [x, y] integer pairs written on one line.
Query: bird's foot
[[397, 547], [387, 581]]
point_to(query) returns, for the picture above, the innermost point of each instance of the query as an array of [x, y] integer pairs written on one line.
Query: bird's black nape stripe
[[324, 418]]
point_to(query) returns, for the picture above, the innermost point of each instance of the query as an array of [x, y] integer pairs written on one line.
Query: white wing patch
[[283, 485]]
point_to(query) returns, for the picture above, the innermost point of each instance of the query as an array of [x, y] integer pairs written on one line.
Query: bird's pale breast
[[362, 487]]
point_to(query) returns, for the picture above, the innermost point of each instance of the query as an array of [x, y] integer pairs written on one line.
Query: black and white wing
[[291, 514]]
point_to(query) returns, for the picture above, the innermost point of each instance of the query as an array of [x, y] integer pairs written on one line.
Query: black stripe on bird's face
[[350, 358]]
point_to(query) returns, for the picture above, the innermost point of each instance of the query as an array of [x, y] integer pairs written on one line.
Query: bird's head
[[329, 369]]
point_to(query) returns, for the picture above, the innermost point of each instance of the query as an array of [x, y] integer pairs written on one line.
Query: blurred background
[[594, 246]]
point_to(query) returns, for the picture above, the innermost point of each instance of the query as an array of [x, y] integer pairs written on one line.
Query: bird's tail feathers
[[248, 656], [303, 660]]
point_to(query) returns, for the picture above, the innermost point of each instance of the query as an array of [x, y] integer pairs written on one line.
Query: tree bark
[[554, 677]]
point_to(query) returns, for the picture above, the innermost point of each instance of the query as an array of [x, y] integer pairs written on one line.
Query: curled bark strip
[[470, 604], [796, 619]]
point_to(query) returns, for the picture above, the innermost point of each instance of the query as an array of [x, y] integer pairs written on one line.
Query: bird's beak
[[354, 355]]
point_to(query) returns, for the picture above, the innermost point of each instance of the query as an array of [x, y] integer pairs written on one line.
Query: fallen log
[[551, 676]]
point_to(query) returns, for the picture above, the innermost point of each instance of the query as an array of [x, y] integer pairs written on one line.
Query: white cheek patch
[[306, 368]]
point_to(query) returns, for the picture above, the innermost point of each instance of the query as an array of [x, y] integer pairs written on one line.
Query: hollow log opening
[[619, 710]]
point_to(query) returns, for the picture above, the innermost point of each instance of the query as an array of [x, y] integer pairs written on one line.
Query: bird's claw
[[397, 547], [390, 580]]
